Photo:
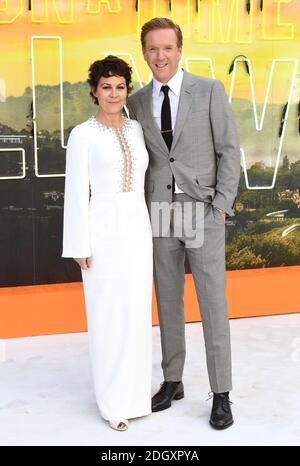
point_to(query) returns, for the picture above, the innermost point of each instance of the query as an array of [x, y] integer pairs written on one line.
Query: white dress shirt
[[158, 97]]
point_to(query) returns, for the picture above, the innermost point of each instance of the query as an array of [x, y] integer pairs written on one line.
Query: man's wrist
[[220, 210]]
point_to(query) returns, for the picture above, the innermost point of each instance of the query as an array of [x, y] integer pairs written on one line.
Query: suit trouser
[[208, 269]]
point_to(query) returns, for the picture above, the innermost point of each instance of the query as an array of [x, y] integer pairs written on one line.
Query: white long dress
[[105, 217]]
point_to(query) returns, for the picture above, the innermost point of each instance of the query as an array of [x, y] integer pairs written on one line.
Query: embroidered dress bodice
[[125, 158], [101, 161]]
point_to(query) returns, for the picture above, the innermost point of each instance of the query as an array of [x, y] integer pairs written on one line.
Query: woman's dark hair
[[109, 66]]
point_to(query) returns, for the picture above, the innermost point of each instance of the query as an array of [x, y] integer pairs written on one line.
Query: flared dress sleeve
[[76, 240]]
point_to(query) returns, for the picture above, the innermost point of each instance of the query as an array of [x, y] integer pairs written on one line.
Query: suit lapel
[[185, 101], [148, 113]]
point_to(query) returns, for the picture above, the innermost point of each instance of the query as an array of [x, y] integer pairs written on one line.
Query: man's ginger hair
[[161, 23]]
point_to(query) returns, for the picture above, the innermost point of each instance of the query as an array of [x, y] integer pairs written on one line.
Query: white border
[[15, 149], [259, 125], [63, 146]]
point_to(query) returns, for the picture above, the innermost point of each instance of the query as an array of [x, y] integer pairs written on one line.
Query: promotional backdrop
[[46, 48]]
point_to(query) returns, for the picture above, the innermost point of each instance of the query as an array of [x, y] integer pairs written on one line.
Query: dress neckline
[[111, 127]]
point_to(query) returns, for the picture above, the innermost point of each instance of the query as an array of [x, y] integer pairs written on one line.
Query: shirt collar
[[174, 83]]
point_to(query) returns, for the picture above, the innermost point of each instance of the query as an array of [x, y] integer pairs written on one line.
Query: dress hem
[[113, 418]]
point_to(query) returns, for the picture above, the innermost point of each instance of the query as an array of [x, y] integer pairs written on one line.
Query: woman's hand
[[85, 263]]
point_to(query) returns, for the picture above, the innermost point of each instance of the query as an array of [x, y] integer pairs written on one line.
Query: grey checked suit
[[206, 167]]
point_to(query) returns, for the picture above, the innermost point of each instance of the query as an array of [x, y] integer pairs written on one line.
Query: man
[[194, 157]]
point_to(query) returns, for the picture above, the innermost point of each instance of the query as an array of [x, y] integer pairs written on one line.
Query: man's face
[[162, 53]]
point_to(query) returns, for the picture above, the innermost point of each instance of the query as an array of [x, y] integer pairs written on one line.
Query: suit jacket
[[205, 149]]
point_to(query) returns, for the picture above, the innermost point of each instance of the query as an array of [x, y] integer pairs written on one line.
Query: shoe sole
[[221, 427], [178, 396]]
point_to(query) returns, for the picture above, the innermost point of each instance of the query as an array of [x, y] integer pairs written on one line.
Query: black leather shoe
[[221, 416], [168, 392]]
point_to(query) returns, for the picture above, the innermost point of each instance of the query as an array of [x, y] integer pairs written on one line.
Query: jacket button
[[169, 186], [171, 159]]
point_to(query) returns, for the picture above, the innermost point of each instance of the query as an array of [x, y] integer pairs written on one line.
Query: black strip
[[232, 64], [283, 114]]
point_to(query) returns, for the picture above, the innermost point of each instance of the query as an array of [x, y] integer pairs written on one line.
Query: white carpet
[[46, 392]]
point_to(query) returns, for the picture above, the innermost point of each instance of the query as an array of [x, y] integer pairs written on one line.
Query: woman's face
[[111, 94]]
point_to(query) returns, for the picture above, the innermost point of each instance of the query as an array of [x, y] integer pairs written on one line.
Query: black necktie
[[166, 120]]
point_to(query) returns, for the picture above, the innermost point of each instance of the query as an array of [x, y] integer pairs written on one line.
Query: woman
[[107, 231]]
